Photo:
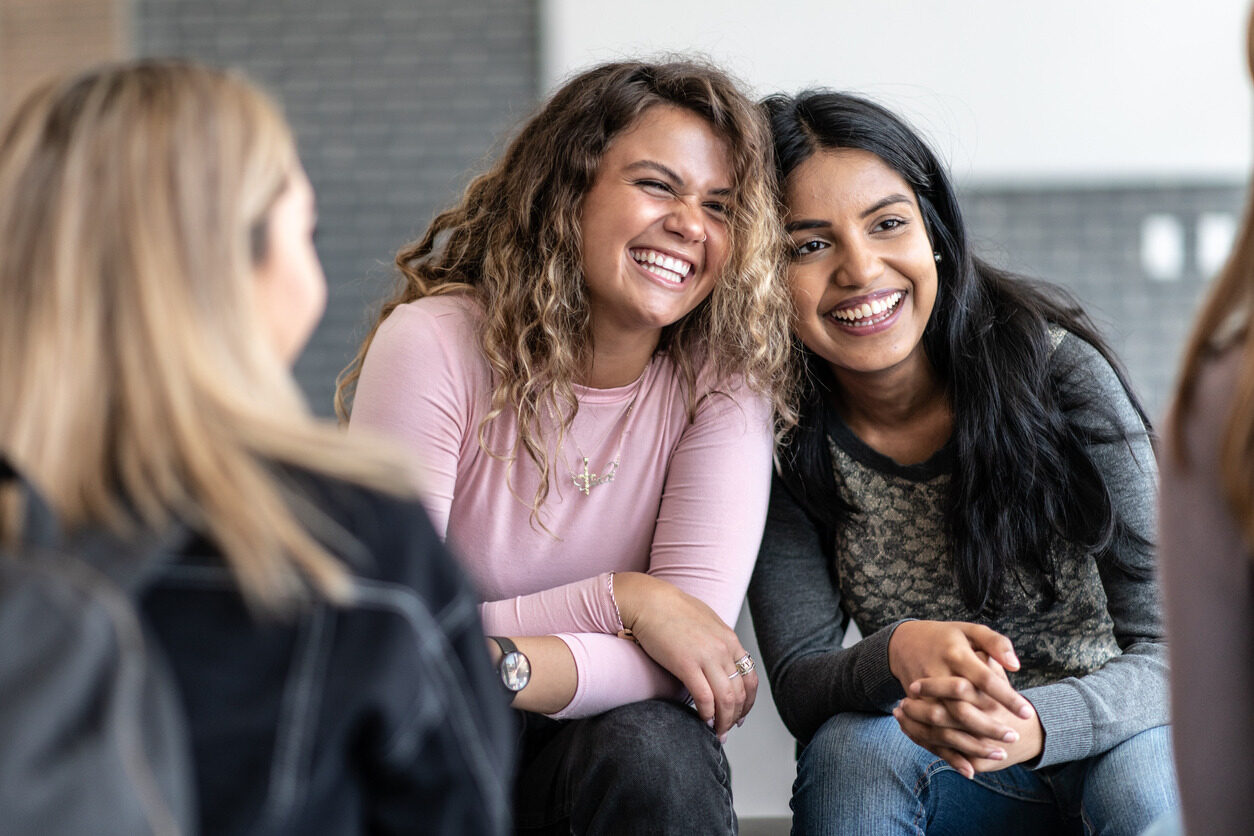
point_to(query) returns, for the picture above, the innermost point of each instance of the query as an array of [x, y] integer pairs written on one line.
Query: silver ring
[[744, 665], [734, 675]]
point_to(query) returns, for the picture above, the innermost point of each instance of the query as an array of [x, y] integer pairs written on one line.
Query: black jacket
[[384, 717]]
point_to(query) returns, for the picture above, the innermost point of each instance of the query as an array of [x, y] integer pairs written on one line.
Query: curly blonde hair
[[513, 244]]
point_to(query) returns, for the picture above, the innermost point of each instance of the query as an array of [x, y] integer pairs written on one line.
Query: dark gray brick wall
[[1089, 240], [394, 104]]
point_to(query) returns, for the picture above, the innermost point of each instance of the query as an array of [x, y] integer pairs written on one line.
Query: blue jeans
[[647, 767], [861, 775]]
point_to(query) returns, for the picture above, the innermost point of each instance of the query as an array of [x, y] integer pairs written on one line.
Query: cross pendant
[[587, 480]]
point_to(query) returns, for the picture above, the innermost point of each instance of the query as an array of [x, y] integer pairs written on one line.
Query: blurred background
[[1104, 146]]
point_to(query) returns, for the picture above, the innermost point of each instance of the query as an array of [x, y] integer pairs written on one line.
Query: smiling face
[[863, 275], [654, 225]]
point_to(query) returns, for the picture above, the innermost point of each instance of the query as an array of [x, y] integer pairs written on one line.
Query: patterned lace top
[[893, 562]]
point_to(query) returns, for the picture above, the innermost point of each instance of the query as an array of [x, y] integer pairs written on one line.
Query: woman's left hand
[[684, 635], [969, 730]]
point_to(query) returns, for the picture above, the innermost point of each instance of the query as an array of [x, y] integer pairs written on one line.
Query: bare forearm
[[553, 675]]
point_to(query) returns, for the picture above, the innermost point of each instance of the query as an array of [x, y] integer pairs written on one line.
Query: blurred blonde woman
[[586, 354], [1206, 549], [158, 280]]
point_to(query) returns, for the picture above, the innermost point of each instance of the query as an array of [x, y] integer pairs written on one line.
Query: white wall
[[1071, 90]]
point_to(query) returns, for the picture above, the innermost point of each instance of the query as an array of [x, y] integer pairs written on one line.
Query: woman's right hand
[[931, 649], [971, 735], [682, 634]]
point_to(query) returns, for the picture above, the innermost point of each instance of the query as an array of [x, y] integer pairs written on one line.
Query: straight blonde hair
[[138, 385]]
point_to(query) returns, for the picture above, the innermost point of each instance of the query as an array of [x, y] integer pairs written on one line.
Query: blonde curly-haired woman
[[590, 356]]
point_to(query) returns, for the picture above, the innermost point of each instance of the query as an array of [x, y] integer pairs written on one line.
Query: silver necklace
[[585, 480]]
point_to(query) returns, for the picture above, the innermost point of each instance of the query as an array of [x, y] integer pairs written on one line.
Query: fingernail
[[722, 738], [1025, 711], [1010, 736], [740, 722], [916, 687], [710, 723], [1014, 660], [968, 773], [997, 755]]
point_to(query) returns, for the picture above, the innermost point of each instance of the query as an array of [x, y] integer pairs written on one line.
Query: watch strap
[[507, 645]]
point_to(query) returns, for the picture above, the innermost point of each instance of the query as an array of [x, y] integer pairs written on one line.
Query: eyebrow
[[797, 226], [885, 201], [670, 173]]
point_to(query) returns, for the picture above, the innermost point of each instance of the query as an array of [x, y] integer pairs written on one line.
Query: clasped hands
[[959, 703]]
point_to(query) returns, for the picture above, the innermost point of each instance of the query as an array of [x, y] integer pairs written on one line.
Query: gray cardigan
[[1094, 665]]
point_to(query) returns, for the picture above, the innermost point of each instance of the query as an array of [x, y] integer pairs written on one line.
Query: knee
[[662, 748], [851, 743], [856, 770], [653, 767], [1134, 783]]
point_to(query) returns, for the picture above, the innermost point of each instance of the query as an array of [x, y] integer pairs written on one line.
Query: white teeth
[[667, 267], [867, 310]]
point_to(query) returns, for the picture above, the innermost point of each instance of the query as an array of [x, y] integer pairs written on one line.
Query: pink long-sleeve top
[[687, 503]]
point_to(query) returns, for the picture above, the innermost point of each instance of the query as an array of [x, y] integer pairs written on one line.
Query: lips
[[667, 268], [867, 311]]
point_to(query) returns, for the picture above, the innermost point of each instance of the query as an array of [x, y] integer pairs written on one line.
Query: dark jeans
[[648, 767]]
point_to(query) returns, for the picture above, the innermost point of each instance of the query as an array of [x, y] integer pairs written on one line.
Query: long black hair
[[1023, 476]]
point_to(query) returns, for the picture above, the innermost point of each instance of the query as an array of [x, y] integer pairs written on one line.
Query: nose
[[858, 266], [686, 219]]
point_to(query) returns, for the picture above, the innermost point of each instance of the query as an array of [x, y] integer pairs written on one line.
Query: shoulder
[[728, 393], [1088, 383], [436, 335], [733, 406], [450, 319], [1075, 356], [379, 536]]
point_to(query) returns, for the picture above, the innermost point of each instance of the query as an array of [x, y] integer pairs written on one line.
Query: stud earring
[[937, 256]]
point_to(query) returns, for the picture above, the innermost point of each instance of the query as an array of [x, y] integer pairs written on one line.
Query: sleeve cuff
[[572, 709], [1066, 721], [872, 669]]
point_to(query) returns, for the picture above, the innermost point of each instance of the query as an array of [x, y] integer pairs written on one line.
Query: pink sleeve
[[708, 531], [583, 606], [411, 391]]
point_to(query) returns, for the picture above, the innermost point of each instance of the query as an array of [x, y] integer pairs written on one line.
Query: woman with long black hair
[[972, 483]]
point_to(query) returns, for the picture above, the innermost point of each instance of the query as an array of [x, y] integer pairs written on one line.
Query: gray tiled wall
[[394, 102], [1089, 240]]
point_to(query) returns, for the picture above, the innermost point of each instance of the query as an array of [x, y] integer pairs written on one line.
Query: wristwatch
[[515, 667]]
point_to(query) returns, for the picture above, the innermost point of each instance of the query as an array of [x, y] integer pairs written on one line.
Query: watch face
[[515, 671]]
